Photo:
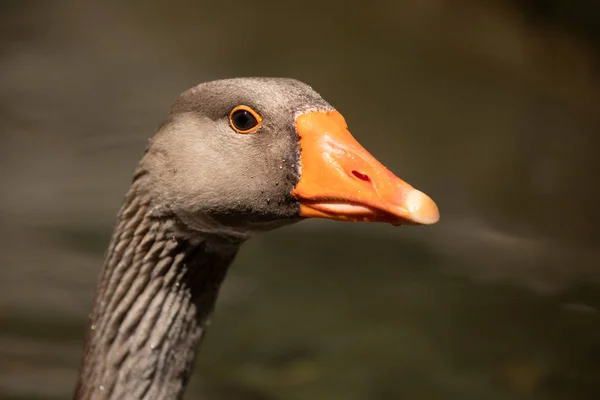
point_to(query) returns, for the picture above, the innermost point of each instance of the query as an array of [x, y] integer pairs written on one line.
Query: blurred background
[[489, 106]]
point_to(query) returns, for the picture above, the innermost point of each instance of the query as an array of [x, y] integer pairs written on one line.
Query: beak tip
[[422, 208]]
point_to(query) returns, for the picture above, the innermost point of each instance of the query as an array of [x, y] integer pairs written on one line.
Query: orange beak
[[343, 181]]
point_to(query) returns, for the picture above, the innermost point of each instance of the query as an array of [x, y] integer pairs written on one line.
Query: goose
[[233, 158]]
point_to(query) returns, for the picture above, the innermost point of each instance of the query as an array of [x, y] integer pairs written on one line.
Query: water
[[498, 301]]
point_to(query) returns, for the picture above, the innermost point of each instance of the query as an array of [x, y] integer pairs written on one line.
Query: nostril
[[361, 176]]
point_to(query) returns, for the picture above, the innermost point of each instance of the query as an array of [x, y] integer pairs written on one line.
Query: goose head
[[251, 154]]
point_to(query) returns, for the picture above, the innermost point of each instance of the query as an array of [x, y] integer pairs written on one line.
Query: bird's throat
[[157, 290]]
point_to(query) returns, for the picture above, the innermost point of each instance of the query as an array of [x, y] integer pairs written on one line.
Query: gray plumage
[[199, 191]]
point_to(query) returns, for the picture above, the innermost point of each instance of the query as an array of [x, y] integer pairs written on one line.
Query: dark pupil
[[243, 120]]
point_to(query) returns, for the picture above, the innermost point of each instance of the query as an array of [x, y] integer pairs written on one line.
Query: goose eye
[[244, 119]]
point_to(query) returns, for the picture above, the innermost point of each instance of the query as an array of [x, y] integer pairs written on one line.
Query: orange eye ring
[[244, 119]]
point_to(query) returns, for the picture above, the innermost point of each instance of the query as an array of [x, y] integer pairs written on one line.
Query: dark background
[[491, 107]]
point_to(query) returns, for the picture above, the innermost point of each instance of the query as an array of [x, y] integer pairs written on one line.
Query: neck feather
[[157, 290]]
